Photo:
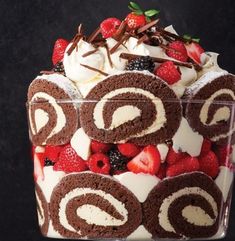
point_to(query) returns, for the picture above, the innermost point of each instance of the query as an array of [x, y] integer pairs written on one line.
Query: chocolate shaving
[[147, 26], [89, 53], [75, 40], [120, 42], [108, 54], [170, 36], [94, 69], [120, 31], [143, 39], [155, 59], [93, 36]]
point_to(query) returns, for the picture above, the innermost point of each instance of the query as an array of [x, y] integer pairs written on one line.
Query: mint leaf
[[132, 9], [197, 40], [151, 12], [135, 6], [138, 12], [187, 37]]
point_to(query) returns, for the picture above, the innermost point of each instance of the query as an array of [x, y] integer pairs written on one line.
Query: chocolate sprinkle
[[93, 36], [94, 69], [89, 53], [147, 26], [120, 42]]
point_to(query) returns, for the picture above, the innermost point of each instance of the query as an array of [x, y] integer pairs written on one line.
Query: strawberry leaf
[[187, 37], [135, 6], [132, 9], [138, 12], [197, 40], [151, 12]]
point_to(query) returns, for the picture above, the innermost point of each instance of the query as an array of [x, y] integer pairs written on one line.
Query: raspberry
[[99, 163], [59, 49], [209, 164], [69, 161], [188, 164], [177, 51], [129, 149], [168, 72], [206, 147], [109, 27], [100, 147]]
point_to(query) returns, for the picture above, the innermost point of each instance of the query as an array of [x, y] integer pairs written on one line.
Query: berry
[[59, 68], [206, 147], [135, 21], [188, 164], [168, 72], [52, 152], [147, 161], [99, 163], [100, 147], [177, 51], [194, 51], [162, 171], [129, 149], [173, 157], [141, 63], [59, 49], [223, 154], [117, 160], [48, 163], [209, 164], [69, 161], [109, 27]]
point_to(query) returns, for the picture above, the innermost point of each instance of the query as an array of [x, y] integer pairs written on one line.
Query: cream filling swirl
[[160, 118], [92, 214], [41, 217], [163, 214], [61, 120]]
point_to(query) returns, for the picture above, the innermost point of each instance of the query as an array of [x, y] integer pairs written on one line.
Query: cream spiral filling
[[90, 213], [131, 112], [189, 211], [40, 119], [40, 211]]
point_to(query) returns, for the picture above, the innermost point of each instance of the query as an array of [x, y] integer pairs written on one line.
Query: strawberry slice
[[59, 49], [38, 159], [147, 161], [194, 51]]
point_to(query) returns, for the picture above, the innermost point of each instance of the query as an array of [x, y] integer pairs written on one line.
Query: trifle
[[132, 135]]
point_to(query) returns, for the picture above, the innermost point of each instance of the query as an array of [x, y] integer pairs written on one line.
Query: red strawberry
[[172, 156], [209, 164], [177, 51], [206, 147], [69, 161], [135, 21], [168, 72], [194, 51], [100, 147], [99, 163], [129, 149], [109, 27], [52, 152], [223, 154], [147, 161], [38, 159], [59, 49], [162, 171], [188, 164]]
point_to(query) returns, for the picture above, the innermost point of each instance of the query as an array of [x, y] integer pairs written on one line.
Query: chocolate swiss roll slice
[[210, 107], [188, 206], [93, 206], [131, 106], [42, 210], [53, 118]]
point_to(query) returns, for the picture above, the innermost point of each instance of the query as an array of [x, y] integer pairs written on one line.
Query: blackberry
[[59, 68], [117, 160], [48, 163], [141, 63]]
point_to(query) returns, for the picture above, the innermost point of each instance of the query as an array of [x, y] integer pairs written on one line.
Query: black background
[[28, 30]]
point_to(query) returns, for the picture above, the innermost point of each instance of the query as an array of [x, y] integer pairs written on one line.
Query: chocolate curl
[[147, 26], [94, 69], [120, 42], [120, 31], [94, 35], [76, 39]]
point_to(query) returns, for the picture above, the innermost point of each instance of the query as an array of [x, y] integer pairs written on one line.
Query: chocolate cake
[[156, 121]]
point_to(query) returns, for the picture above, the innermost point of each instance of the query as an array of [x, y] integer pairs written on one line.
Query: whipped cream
[[81, 143], [51, 179], [139, 184], [186, 140], [224, 181], [72, 63], [163, 150], [52, 233]]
